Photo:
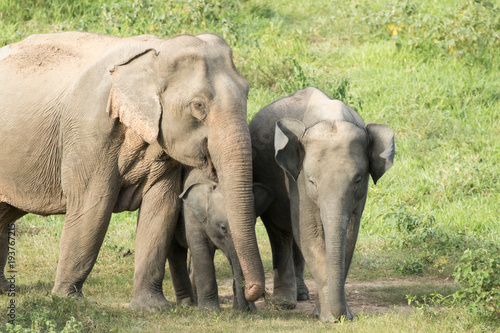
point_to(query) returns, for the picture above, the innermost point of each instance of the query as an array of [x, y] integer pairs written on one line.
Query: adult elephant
[[93, 124], [316, 156]]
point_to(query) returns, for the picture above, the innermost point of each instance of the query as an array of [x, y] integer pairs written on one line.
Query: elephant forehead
[[216, 203], [347, 143], [340, 132], [186, 47], [182, 41], [208, 63], [329, 158]]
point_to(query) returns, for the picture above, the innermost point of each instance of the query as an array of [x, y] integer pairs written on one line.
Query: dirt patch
[[362, 297], [358, 298]]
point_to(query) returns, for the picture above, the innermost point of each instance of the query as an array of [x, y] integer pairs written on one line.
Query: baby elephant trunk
[[239, 300]]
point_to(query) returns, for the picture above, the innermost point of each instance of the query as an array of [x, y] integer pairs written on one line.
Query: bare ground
[[363, 297]]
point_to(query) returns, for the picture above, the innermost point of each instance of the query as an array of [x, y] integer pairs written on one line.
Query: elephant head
[[328, 165], [186, 94]]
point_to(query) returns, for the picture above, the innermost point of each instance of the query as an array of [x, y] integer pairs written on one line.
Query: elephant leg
[[177, 263], [313, 250], [299, 265], [156, 226], [239, 300], [8, 215], [191, 275], [207, 292], [285, 289], [309, 237], [86, 223]]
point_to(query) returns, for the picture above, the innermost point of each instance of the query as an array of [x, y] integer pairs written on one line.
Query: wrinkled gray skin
[[203, 227], [94, 124], [316, 155]]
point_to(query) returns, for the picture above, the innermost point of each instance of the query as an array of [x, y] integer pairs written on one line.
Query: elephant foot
[[4, 285], [67, 289], [150, 301], [187, 301], [282, 303], [303, 294], [327, 317], [350, 314], [251, 307], [209, 306], [302, 290], [246, 306], [284, 297]]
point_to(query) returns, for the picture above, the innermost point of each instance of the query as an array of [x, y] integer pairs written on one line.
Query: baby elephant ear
[[381, 149], [195, 199], [134, 95], [287, 146]]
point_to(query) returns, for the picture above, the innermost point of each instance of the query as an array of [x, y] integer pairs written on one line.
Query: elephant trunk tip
[[254, 291]]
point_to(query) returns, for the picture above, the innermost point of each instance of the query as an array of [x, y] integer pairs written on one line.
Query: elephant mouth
[[208, 164]]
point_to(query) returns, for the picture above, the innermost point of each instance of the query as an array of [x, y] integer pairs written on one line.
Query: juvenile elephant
[[93, 124], [203, 227], [316, 154]]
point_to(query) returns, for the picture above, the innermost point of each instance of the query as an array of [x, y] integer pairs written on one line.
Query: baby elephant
[[316, 156], [203, 227]]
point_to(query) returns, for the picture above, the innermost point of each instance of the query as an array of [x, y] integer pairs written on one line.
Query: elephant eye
[[312, 181], [224, 229], [198, 110], [357, 179]]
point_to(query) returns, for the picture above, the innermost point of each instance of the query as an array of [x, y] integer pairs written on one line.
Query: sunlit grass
[[436, 85]]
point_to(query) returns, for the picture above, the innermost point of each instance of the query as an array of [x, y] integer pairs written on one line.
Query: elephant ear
[[287, 147], [263, 198], [134, 95], [382, 149], [195, 198]]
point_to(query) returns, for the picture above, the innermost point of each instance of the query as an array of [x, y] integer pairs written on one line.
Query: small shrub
[[411, 267], [414, 228], [290, 76], [42, 324], [422, 230], [478, 276], [427, 302], [295, 80]]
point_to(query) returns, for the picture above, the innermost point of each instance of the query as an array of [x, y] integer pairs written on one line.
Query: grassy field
[[428, 69]]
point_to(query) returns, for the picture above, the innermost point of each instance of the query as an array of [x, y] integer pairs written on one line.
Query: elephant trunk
[[230, 149], [335, 218]]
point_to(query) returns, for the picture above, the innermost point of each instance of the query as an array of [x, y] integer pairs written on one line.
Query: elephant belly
[[34, 198], [30, 177]]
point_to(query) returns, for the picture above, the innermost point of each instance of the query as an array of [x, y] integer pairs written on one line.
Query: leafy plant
[[411, 267], [414, 228], [478, 275], [422, 230], [295, 80], [427, 302], [42, 324]]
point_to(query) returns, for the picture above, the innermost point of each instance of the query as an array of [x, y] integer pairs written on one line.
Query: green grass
[[427, 69]]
